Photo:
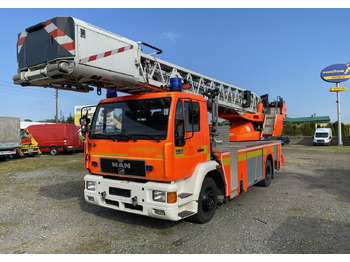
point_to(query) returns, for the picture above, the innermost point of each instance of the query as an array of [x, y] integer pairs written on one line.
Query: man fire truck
[[154, 152]]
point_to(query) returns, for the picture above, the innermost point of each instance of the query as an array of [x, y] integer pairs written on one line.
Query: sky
[[275, 51]]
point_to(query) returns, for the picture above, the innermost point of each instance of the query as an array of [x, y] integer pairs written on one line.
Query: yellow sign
[[335, 89], [77, 113], [336, 77]]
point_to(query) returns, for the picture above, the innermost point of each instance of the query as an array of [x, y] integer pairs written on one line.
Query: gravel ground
[[305, 210]]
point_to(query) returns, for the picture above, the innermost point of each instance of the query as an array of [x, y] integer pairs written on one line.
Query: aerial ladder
[[79, 60], [186, 176]]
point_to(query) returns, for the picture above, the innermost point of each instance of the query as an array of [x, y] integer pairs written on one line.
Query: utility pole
[[340, 140], [56, 106]]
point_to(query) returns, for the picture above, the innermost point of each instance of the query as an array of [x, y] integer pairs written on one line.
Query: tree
[[330, 125], [297, 130], [307, 129], [288, 130], [344, 129], [28, 120], [70, 119]]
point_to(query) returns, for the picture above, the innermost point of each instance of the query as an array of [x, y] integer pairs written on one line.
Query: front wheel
[[207, 201], [53, 151]]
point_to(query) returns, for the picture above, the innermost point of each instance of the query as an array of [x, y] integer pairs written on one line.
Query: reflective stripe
[[226, 161], [105, 54], [242, 157], [60, 37], [253, 154], [272, 149], [21, 39], [107, 154]]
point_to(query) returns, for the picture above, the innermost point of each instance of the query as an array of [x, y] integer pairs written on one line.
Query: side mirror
[[84, 122]]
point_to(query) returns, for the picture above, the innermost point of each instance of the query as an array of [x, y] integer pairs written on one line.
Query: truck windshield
[[321, 134], [143, 119]]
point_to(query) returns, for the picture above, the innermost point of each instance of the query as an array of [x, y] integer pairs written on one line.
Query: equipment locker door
[[254, 166]]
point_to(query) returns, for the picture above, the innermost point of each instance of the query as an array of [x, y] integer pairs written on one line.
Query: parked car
[[55, 138], [284, 140], [323, 136]]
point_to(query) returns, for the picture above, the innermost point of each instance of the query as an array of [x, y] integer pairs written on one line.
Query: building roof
[[316, 119]]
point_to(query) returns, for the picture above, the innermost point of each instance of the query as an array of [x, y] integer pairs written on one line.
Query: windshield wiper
[[149, 136], [104, 135], [114, 137], [125, 136]]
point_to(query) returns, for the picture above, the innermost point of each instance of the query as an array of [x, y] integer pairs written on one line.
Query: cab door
[[191, 145]]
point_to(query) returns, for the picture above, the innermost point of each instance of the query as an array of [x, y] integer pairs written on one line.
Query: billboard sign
[[336, 73], [77, 113]]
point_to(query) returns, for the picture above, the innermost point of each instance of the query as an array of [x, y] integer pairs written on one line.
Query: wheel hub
[[208, 200]]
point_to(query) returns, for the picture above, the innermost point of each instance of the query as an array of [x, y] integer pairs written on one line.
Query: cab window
[[192, 118]]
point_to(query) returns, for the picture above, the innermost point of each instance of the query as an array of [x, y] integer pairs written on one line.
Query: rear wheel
[[53, 151], [207, 201], [268, 175]]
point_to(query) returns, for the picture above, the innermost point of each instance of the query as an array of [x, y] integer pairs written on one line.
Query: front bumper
[[136, 197], [321, 142]]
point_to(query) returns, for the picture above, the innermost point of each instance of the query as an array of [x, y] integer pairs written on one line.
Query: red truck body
[[54, 138]]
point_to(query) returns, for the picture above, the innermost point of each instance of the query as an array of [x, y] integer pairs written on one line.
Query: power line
[[7, 87]]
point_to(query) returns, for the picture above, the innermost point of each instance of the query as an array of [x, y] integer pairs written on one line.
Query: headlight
[[90, 185], [159, 196]]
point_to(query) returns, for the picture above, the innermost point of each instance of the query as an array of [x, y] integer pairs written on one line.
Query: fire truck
[[157, 151]]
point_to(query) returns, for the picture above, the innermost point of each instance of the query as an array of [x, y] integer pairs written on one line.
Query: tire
[[53, 151], [268, 175], [207, 201]]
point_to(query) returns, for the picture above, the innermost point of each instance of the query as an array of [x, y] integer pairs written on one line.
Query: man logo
[[121, 165]]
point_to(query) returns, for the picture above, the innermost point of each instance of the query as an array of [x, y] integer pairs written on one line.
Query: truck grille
[[123, 167]]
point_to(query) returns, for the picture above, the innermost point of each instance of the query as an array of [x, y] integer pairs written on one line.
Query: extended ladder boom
[[67, 53], [158, 73]]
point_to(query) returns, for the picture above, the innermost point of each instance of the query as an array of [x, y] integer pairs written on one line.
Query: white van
[[323, 136]]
